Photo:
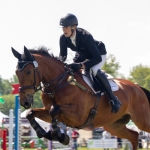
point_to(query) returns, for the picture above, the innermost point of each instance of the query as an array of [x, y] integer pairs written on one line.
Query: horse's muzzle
[[27, 104]]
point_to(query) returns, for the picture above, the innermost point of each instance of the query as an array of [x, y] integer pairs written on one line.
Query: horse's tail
[[147, 92]]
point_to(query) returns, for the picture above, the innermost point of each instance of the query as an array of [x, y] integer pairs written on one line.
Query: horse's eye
[[28, 72]]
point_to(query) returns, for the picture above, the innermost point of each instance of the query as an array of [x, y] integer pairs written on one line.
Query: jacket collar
[[74, 48], [77, 37]]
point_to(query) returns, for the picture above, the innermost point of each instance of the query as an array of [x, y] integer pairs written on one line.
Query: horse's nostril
[[26, 105]]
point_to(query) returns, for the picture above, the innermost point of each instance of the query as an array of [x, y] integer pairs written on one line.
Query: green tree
[[1, 86], [111, 66], [139, 74], [5, 86], [147, 82], [9, 103]]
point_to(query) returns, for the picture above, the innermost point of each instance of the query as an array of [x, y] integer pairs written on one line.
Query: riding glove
[[75, 66]]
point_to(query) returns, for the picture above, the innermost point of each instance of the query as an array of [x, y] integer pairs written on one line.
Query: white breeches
[[99, 66]]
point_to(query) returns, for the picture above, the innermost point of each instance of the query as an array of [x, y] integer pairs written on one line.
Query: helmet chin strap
[[72, 30]]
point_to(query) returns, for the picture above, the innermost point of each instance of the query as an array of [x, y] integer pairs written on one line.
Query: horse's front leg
[[61, 137], [55, 133], [31, 114]]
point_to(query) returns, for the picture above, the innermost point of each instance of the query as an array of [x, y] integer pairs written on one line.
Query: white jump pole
[[11, 117]]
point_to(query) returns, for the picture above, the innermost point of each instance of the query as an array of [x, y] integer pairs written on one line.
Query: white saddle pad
[[113, 85]]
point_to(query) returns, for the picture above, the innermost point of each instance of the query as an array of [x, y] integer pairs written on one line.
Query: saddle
[[95, 85]]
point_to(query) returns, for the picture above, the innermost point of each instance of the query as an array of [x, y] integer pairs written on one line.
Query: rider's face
[[67, 31]]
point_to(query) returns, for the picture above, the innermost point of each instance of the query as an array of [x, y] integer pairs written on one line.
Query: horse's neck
[[51, 69]]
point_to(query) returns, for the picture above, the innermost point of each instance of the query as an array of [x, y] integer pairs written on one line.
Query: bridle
[[34, 87], [53, 88]]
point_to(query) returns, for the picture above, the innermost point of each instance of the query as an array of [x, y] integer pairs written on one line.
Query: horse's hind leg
[[120, 130]]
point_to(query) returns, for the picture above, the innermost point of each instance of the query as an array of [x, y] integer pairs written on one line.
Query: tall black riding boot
[[114, 102]]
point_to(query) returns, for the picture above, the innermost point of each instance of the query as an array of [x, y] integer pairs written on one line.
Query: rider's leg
[[99, 66], [100, 76], [114, 102]]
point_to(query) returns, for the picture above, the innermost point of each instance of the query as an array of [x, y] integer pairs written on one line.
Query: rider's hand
[[75, 66]]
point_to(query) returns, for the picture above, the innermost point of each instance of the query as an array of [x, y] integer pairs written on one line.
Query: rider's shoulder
[[84, 34], [83, 31]]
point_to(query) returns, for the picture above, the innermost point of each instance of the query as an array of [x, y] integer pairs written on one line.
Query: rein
[[56, 87]]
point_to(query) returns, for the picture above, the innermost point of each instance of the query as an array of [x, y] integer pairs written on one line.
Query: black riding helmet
[[68, 20]]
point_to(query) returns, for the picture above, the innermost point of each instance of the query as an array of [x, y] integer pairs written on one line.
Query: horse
[[73, 104]]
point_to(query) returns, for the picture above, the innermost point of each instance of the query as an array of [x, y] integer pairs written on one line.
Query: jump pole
[[17, 117], [11, 118], [50, 142], [4, 140], [17, 124]]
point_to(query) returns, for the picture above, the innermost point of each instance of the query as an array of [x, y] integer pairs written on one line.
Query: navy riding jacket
[[87, 49]]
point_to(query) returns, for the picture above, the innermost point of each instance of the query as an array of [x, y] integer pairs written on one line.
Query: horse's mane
[[42, 50]]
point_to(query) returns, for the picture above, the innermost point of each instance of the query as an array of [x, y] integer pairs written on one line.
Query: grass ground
[[83, 149], [54, 149]]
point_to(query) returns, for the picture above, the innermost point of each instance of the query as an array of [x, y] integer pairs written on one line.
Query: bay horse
[[72, 104]]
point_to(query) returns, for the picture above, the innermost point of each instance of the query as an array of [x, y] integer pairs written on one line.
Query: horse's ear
[[16, 54], [27, 53]]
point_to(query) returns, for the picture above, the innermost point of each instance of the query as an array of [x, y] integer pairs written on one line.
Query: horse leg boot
[[56, 133], [113, 100], [39, 130]]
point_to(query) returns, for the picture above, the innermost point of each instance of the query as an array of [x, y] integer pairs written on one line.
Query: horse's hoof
[[64, 139], [54, 111], [30, 114], [39, 135]]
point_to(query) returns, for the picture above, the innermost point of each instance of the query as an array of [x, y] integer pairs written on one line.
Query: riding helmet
[[68, 20]]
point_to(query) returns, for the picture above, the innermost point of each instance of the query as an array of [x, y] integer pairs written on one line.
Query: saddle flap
[[95, 85]]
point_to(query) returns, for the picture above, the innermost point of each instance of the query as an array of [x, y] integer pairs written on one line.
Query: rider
[[90, 54]]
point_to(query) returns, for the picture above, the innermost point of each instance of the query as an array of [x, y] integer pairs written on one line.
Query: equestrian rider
[[90, 54]]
